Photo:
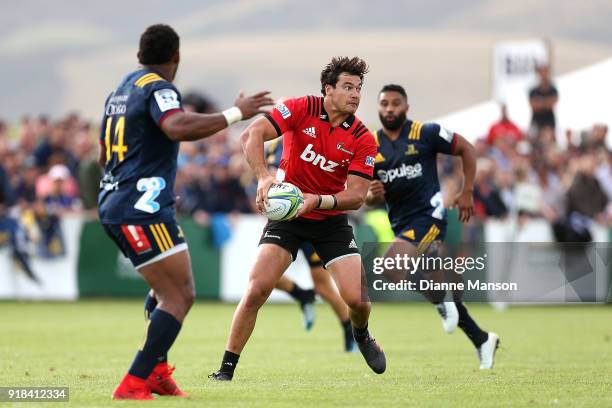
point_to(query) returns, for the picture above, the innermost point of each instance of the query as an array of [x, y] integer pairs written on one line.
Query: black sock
[[229, 363], [436, 296], [347, 326], [161, 333], [297, 293], [360, 334], [149, 306], [469, 326]]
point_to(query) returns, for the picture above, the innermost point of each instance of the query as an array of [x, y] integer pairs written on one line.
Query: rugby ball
[[285, 200]]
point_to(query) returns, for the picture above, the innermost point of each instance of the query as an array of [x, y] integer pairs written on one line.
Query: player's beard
[[394, 123]]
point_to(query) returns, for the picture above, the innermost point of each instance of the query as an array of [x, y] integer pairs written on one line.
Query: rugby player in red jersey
[[329, 154]]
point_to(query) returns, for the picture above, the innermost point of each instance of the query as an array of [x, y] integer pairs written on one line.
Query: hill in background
[[69, 57]]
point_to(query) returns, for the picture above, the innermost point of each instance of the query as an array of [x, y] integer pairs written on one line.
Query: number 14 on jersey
[[117, 144]]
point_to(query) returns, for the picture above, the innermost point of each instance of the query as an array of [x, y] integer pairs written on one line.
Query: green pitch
[[549, 356]]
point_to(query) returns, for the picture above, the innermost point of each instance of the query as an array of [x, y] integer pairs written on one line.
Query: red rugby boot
[[133, 388], [161, 382]]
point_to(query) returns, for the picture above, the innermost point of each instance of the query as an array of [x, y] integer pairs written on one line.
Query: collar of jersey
[[140, 72], [152, 70], [346, 125]]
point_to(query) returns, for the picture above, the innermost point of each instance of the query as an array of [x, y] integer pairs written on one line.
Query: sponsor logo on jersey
[[353, 244], [370, 161], [108, 183], [446, 134], [118, 99], [268, 235], [167, 99], [311, 131], [411, 150], [340, 146], [310, 156], [409, 234], [283, 110], [408, 172], [137, 238], [115, 109]]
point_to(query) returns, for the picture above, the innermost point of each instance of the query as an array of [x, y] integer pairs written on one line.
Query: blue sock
[[149, 306], [161, 333]]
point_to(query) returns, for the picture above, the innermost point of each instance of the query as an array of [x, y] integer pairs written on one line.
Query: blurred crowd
[[48, 167], [213, 177], [530, 174]]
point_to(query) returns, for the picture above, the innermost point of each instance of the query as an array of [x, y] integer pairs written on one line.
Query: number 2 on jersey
[[120, 148], [152, 187], [437, 202]]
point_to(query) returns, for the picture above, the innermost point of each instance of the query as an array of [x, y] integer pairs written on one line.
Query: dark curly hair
[[339, 65], [394, 88], [158, 44]]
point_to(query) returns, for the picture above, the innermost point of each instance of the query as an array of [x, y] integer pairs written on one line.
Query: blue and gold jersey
[[140, 165], [408, 170], [274, 152]]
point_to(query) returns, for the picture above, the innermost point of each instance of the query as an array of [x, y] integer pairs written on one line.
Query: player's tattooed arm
[[376, 193], [252, 140], [187, 126], [464, 200]]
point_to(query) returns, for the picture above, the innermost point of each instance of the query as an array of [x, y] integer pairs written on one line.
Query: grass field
[[549, 356]]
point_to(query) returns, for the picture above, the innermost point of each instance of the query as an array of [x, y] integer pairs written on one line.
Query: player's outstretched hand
[[251, 105], [311, 201], [263, 185], [465, 202]]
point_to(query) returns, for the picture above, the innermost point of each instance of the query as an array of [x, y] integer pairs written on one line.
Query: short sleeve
[[365, 154], [439, 138], [164, 100], [285, 115]]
